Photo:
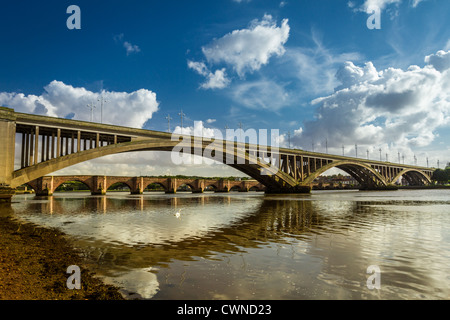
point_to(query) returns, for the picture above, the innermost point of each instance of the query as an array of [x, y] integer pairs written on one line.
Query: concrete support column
[[22, 154], [302, 164], [58, 143], [27, 150], [7, 143], [78, 141], [36, 144]]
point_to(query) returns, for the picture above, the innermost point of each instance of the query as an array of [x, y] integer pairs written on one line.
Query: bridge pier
[[7, 143], [6, 194], [138, 183], [99, 186]]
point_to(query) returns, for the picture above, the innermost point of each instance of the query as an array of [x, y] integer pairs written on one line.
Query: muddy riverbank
[[34, 262]]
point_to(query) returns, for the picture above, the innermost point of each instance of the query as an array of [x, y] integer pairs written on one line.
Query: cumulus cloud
[[440, 61], [244, 51], [65, 101], [393, 108], [216, 80]]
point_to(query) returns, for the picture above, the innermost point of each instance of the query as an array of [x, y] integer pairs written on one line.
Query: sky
[[352, 77]]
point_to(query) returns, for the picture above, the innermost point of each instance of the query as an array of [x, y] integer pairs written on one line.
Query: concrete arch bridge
[[46, 145]]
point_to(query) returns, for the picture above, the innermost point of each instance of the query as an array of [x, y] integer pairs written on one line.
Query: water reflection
[[256, 246]]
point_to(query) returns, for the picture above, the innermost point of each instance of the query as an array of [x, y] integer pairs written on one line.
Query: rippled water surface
[[256, 246]]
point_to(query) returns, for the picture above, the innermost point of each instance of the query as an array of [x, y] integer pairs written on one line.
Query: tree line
[[442, 176]]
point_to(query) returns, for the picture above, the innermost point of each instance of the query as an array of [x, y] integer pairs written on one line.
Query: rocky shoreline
[[34, 262]]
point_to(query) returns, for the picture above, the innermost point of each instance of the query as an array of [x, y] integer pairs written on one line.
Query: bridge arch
[[252, 166], [187, 184], [413, 177], [235, 188], [59, 182], [254, 188], [211, 187], [363, 173], [115, 183], [147, 184]]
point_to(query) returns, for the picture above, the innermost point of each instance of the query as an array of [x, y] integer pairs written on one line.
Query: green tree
[[441, 176]]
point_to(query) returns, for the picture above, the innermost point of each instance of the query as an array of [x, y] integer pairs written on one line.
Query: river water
[[256, 246]]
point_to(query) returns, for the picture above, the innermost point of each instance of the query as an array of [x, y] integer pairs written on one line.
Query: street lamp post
[[182, 115], [92, 107], [102, 101], [168, 121]]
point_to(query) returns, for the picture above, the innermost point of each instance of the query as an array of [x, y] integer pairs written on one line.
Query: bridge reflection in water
[[128, 236], [253, 246]]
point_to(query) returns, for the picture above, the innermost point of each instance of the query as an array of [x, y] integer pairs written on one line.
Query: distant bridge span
[[99, 185], [48, 144]]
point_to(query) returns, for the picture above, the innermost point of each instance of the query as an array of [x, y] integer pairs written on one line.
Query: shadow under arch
[[60, 183], [182, 187], [146, 187], [123, 183], [413, 177], [363, 173]]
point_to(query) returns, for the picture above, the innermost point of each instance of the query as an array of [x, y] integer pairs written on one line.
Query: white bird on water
[[178, 214]]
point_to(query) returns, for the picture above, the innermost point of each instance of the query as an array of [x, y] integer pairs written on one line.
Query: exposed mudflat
[[34, 262]]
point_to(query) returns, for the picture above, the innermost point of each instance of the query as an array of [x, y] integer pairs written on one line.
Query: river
[[256, 246]]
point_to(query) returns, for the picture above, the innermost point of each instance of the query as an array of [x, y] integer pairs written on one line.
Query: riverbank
[[34, 262]]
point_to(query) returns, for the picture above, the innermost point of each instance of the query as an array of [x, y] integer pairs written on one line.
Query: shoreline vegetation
[[34, 262]]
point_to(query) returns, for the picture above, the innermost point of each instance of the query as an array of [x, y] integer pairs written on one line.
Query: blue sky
[[311, 68]]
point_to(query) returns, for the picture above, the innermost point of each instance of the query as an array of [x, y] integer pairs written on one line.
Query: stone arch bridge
[[48, 144], [98, 185]]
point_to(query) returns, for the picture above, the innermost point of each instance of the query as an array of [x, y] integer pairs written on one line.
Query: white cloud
[[130, 48], [211, 121], [246, 50], [440, 61], [382, 4], [216, 80], [392, 109], [65, 101]]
